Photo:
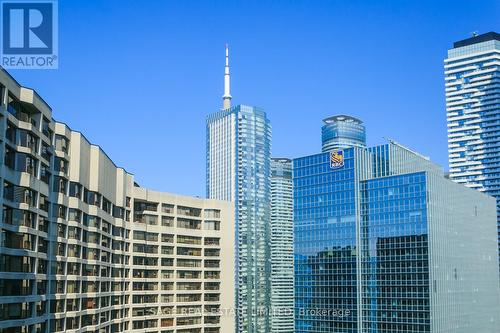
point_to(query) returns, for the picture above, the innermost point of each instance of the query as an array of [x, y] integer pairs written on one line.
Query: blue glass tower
[[341, 131], [238, 170], [385, 243]]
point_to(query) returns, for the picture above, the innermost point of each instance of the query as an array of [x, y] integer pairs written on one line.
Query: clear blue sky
[[139, 77]]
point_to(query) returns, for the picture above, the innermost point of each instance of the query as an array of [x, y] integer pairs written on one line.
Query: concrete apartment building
[[83, 248]]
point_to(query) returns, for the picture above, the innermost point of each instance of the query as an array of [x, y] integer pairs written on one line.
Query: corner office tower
[[472, 75], [238, 170], [384, 243]]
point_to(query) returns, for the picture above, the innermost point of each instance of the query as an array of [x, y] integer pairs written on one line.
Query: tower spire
[[226, 98]]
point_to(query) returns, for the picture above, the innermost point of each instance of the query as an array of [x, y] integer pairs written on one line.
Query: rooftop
[[477, 39], [341, 117], [281, 159]]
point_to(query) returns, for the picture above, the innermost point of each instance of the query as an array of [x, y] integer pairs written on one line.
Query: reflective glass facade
[[238, 170], [325, 243], [394, 254], [369, 246], [340, 132]]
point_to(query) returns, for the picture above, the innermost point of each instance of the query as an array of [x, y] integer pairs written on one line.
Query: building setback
[[385, 243], [472, 76], [281, 246], [238, 170], [84, 248]]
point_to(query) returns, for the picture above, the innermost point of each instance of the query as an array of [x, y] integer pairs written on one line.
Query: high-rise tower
[[383, 242], [472, 75], [281, 246], [341, 131], [238, 170]]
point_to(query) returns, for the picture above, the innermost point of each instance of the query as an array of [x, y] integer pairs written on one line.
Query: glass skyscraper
[[281, 246], [339, 132], [238, 170], [385, 243], [472, 75]]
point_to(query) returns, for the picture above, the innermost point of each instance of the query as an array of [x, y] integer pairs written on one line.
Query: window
[[28, 140], [106, 205], [188, 251], [140, 206], [10, 158], [19, 194], [16, 109], [118, 212], [188, 240], [147, 219], [22, 241], [44, 173], [74, 233], [60, 184], [10, 133], [25, 163], [167, 221], [61, 143], [46, 128], [167, 238], [75, 215], [43, 203], [188, 223], [75, 190], [92, 198], [188, 262], [46, 152], [18, 217], [212, 225], [143, 235], [211, 241], [59, 211], [60, 165], [189, 211], [212, 213], [167, 208]]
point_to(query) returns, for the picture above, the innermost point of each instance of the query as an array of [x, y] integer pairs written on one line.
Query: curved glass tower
[[341, 132]]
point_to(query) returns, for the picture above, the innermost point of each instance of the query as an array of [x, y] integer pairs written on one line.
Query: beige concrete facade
[[83, 248]]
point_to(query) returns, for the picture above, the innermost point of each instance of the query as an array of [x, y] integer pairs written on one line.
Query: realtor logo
[[29, 34], [336, 159]]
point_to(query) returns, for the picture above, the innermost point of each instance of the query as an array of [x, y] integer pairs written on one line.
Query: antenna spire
[[226, 98]]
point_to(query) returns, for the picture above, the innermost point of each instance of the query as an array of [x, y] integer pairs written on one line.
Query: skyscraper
[[385, 243], [339, 132], [238, 170], [472, 76], [281, 246]]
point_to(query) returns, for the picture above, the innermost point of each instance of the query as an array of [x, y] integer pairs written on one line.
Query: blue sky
[[139, 77]]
